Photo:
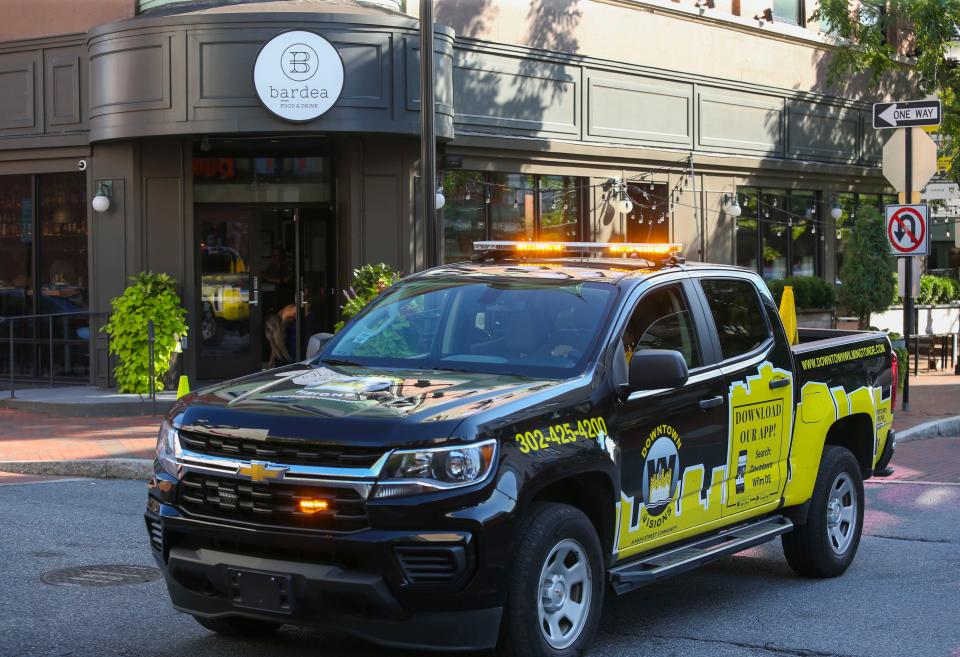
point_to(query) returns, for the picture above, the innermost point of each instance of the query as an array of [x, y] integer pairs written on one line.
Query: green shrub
[[938, 290], [809, 292], [368, 282], [868, 284], [151, 296]]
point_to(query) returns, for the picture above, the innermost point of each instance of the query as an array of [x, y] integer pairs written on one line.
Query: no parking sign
[[907, 229]]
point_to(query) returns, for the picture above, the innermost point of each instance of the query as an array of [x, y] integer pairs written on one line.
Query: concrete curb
[[141, 469], [934, 429], [105, 409]]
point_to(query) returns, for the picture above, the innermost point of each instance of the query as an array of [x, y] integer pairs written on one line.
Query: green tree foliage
[[368, 282], [867, 283], [809, 292], [151, 296], [865, 47]]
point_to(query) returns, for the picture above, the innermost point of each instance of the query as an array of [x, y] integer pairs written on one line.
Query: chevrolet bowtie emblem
[[262, 471]]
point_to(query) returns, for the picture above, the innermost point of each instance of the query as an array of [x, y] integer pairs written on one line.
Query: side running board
[[650, 568]]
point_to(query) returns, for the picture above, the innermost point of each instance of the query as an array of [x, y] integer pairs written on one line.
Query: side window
[[662, 320], [737, 314]]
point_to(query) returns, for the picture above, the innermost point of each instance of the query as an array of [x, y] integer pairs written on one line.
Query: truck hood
[[353, 404]]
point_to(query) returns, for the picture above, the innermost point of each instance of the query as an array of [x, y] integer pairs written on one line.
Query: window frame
[[760, 349]]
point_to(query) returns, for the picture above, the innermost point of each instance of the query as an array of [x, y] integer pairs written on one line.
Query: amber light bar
[[643, 248]]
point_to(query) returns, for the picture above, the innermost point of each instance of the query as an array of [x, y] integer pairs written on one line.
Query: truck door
[[757, 370], [672, 442]]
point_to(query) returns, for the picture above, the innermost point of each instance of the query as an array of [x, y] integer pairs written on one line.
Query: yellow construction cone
[[183, 387], [788, 314]]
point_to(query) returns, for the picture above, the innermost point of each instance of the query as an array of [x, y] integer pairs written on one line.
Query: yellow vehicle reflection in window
[[224, 292]]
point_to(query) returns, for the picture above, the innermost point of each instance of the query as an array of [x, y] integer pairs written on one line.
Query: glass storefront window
[[62, 261], [746, 227], [512, 207], [559, 209], [464, 214], [780, 232], [776, 234], [16, 245], [242, 179], [43, 271], [650, 219], [804, 239]]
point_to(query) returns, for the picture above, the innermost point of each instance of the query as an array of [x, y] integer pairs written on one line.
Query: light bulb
[[101, 203], [440, 199], [836, 212], [625, 205]]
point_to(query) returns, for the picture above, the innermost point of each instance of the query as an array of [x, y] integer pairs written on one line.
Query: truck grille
[[271, 504], [292, 452]]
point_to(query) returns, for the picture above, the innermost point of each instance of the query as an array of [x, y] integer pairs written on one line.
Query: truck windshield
[[535, 328]]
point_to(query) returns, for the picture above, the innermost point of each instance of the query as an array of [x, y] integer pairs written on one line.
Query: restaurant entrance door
[[267, 283]]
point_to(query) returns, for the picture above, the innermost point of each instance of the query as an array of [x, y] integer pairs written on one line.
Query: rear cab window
[[737, 314]]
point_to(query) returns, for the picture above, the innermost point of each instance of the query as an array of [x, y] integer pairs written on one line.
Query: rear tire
[[556, 587], [236, 626], [826, 545]]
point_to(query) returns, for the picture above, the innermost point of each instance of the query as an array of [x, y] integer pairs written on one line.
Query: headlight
[[413, 471], [168, 448]]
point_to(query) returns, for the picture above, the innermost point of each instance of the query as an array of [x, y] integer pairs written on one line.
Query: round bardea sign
[[298, 75]]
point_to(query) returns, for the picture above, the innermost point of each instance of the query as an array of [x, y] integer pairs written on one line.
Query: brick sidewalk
[[932, 397], [36, 437], [935, 459]]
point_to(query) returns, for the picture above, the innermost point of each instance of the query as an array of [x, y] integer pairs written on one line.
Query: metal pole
[[908, 269], [13, 394], [50, 346], [153, 393], [696, 212], [428, 134]]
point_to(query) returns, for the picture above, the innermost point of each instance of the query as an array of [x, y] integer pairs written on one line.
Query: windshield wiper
[[340, 361]]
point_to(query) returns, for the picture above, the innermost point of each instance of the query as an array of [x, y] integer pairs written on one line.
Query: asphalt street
[[900, 597]]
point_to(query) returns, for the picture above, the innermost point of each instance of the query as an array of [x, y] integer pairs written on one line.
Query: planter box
[[932, 320], [819, 319]]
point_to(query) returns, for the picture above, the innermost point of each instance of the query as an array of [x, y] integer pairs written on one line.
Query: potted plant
[[150, 297]]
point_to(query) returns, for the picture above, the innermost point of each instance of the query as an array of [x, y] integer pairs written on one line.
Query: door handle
[[779, 383], [712, 402], [255, 291]]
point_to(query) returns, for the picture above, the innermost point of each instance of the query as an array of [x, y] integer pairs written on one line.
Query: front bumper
[[354, 582]]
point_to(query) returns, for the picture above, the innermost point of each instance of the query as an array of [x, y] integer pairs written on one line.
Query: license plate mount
[[261, 591]]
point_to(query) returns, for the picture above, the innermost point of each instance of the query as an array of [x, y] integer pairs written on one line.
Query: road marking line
[[912, 481]]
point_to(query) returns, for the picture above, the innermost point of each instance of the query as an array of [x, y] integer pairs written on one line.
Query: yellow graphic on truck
[[761, 417]]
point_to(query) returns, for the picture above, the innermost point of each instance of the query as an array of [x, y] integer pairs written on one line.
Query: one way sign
[[907, 229], [910, 114]]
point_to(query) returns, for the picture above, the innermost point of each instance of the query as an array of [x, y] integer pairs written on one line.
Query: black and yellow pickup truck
[[472, 461]]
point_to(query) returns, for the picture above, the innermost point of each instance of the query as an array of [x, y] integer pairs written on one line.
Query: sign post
[[907, 224]]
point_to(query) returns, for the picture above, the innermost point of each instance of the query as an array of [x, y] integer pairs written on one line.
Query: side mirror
[[316, 342], [653, 369]]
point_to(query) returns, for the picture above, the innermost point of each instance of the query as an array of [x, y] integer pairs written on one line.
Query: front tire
[[827, 544], [237, 627], [556, 588]]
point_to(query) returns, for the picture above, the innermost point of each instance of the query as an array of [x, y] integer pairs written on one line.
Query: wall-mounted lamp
[[440, 200], [837, 211], [101, 199], [731, 205]]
